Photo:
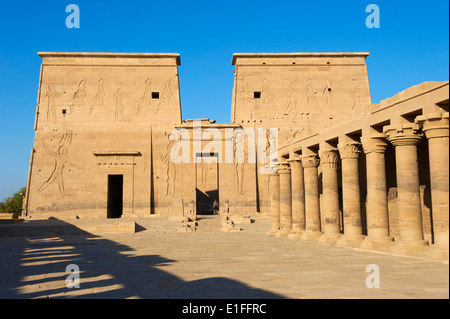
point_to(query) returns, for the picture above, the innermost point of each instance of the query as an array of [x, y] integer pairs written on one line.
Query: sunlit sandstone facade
[[349, 172], [379, 180]]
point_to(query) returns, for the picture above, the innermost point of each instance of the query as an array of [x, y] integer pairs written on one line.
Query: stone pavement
[[159, 262]]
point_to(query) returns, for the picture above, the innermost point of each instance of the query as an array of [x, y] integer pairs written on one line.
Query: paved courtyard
[[159, 262]]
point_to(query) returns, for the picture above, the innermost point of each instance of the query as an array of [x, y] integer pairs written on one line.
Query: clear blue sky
[[411, 46]]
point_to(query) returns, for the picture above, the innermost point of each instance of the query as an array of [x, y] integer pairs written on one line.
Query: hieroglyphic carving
[[98, 98], [77, 99], [60, 154], [146, 99], [52, 94]]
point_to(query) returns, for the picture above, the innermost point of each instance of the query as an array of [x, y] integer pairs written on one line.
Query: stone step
[[209, 223]]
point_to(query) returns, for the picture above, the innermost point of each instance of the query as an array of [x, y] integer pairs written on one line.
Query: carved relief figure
[[356, 94], [204, 172], [166, 94], [170, 168], [60, 154], [254, 107], [240, 177], [52, 94], [239, 167], [327, 92], [266, 97], [267, 153], [146, 99], [78, 96], [98, 98], [120, 109], [310, 93], [291, 106], [244, 94], [265, 91]]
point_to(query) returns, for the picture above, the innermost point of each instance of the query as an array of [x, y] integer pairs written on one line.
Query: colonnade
[[299, 212]]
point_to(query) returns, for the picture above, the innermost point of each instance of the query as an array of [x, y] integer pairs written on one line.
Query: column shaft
[[312, 206], [274, 204], [298, 197], [408, 189], [436, 128], [377, 205], [285, 199], [330, 197], [439, 180], [405, 138], [351, 199]]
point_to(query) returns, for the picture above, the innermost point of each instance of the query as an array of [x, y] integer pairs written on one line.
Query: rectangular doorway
[[115, 196], [207, 183]]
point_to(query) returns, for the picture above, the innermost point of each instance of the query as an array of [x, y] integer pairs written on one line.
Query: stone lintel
[[117, 153]]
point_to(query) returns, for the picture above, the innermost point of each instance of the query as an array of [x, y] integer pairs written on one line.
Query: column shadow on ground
[[35, 260]]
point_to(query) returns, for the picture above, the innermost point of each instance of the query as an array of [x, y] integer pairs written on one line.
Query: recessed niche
[[257, 95], [155, 95]]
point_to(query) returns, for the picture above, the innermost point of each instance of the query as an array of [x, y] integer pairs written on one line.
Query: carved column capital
[[434, 125], [284, 168], [350, 150], [403, 134], [329, 158], [310, 160], [295, 164], [374, 143]]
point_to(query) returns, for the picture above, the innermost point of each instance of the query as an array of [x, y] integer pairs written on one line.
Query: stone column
[[274, 204], [312, 206], [377, 205], [298, 197], [405, 138], [351, 200], [436, 129], [330, 196], [285, 199]]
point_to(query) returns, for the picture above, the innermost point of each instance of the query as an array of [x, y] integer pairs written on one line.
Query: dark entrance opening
[[115, 196], [207, 183], [205, 201]]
